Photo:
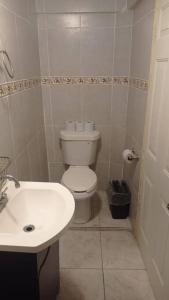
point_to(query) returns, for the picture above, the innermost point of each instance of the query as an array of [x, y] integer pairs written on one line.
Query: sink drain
[[29, 228]]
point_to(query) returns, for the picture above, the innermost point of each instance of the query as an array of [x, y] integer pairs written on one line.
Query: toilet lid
[[79, 179]]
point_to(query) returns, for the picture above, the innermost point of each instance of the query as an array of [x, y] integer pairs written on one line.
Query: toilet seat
[[80, 179]]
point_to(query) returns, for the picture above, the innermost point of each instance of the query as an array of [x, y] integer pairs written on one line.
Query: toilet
[[79, 152]]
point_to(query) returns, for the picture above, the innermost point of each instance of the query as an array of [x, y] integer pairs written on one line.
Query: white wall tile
[[6, 148], [61, 6], [56, 171], [96, 51], [119, 106], [116, 171], [47, 109], [97, 5], [43, 51], [63, 21], [97, 104], [122, 51], [43, 176], [141, 47], [118, 135], [98, 20], [142, 9], [66, 104], [34, 159], [23, 167], [64, 51], [39, 5], [22, 131], [20, 7], [124, 18], [104, 143], [20, 107], [102, 171], [9, 40], [27, 49]]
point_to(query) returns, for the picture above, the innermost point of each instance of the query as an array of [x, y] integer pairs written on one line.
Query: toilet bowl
[[82, 182]]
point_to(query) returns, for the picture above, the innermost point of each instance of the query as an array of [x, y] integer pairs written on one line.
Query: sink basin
[[35, 216]]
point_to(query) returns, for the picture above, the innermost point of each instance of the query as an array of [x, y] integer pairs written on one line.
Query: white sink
[[49, 207]]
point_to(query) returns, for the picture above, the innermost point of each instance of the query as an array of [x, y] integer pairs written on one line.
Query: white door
[[154, 195]]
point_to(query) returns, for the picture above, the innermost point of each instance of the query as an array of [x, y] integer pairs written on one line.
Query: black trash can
[[119, 199]]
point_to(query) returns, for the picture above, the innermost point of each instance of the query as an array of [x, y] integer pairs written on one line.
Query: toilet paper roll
[[79, 126], [70, 125], [127, 154], [89, 126]]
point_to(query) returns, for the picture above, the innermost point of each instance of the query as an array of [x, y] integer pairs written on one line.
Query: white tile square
[[81, 284], [96, 101], [80, 249], [97, 5], [127, 285], [120, 251], [123, 43], [63, 21], [98, 20], [64, 51], [96, 51], [66, 103]]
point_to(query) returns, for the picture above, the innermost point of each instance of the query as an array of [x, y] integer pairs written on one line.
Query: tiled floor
[[102, 265]]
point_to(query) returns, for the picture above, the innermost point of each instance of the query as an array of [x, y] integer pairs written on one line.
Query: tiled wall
[[85, 44], [21, 115], [140, 65]]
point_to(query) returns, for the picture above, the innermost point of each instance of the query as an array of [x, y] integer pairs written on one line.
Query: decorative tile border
[[115, 80], [139, 83], [123, 80], [24, 84], [14, 87]]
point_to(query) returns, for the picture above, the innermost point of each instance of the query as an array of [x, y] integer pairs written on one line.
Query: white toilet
[[79, 152]]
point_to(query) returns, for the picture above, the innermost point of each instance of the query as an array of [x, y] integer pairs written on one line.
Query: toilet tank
[[79, 148]]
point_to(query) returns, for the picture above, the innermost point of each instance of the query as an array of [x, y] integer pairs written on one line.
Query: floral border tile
[[76, 80], [13, 87], [115, 80], [139, 83], [20, 85]]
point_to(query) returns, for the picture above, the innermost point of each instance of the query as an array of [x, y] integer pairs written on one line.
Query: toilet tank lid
[[79, 135]]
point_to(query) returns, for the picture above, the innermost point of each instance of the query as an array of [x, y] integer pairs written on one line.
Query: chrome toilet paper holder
[[133, 156]]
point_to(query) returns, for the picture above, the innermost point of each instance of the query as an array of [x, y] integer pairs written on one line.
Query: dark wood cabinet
[[30, 276]]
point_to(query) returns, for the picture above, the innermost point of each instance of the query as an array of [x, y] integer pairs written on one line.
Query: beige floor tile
[[120, 251], [80, 249], [83, 284], [127, 285]]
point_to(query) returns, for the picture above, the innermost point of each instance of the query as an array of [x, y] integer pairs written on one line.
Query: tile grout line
[[99, 229], [98, 269], [104, 291]]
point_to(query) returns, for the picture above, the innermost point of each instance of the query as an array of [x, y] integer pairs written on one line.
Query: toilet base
[[83, 211]]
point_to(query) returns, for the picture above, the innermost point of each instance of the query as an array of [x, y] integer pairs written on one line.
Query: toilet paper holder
[[133, 156]]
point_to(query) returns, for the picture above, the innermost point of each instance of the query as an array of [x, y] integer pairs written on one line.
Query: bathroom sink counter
[[47, 207], [31, 223]]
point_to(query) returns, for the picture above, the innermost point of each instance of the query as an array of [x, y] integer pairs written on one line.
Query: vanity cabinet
[[30, 276]]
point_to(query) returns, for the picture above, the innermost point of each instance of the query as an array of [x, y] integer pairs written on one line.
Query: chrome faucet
[[3, 195], [10, 178]]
